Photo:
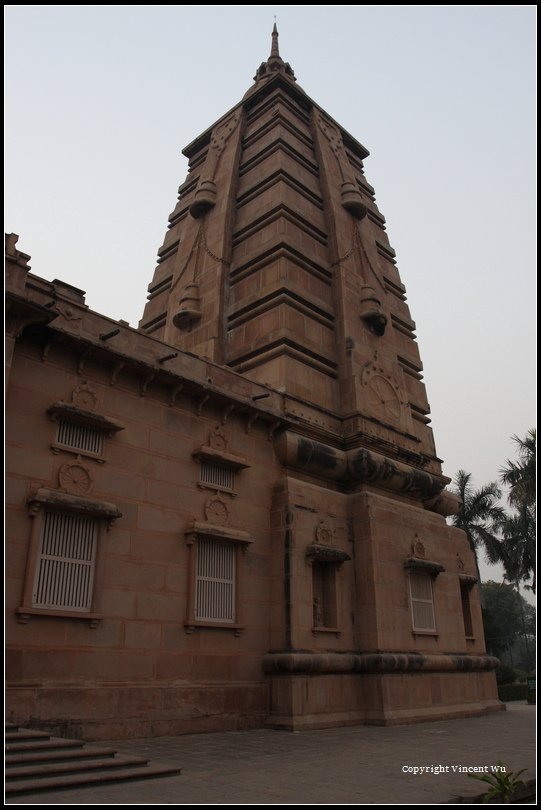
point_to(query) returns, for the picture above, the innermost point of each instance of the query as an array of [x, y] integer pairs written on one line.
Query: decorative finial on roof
[[274, 64], [275, 52]]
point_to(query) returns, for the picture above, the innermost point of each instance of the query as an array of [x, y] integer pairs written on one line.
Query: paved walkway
[[358, 765]]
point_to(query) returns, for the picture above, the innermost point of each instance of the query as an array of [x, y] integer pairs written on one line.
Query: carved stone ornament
[[350, 195], [323, 533], [460, 563], [318, 612], [205, 195], [371, 311], [189, 307], [217, 439], [418, 549], [382, 395], [75, 478], [216, 511], [69, 313], [84, 397]]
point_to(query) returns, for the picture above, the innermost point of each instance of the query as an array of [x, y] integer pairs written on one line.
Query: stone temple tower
[[277, 264], [234, 515]]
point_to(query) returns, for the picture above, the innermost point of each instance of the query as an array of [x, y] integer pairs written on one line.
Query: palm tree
[[519, 529], [479, 516], [517, 547], [520, 475]]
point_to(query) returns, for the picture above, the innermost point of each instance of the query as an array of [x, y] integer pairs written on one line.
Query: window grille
[[422, 604], [66, 562], [215, 585], [216, 475], [80, 437]]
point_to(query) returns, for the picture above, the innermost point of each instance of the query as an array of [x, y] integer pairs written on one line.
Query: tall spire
[[274, 64], [275, 52]]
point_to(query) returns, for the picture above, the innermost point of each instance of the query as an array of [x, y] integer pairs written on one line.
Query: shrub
[[512, 691], [505, 674], [520, 675]]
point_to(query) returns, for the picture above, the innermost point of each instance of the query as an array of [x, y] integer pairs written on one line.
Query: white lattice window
[[80, 437], [217, 475], [215, 581], [422, 601], [66, 562]]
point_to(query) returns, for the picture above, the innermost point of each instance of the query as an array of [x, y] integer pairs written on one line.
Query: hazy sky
[[101, 99]]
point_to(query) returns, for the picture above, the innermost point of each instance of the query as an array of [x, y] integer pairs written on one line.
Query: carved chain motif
[[357, 243], [336, 143]]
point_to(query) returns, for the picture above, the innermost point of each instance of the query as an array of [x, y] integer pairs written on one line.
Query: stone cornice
[[360, 465], [114, 343], [376, 662]]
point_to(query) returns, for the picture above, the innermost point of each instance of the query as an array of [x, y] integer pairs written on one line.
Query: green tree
[[479, 516], [520, 475], [509, 624], [517, 546], [518, 530]]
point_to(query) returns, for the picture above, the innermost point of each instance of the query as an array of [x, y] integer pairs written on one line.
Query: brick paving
[[357, 765]]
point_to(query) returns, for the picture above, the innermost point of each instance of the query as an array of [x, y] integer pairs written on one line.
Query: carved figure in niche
[[323, 533], [419, 549], [318, 613]]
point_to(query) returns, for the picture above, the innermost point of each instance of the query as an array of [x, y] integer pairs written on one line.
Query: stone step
[[84, 780], [26, 734], [84, 766], [48, 744], [58, 755]]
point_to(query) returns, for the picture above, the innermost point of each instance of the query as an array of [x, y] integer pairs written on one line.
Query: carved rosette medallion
[[84, 397], [381, 394], [217, 511], [217, 440], [75, 478]]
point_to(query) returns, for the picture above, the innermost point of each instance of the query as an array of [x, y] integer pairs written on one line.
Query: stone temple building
[[234, 515]]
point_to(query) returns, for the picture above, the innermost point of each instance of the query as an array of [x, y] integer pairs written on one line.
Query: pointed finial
[[274, 47]]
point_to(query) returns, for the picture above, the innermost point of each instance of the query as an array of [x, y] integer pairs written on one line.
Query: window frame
[[58, 444], [205, 465], [200, 577], [241, 542], [71, 414], [46, 501], [466, 583], [57, 532], [430, 579]]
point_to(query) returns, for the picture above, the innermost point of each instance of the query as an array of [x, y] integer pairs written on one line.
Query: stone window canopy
[[467, 581], [428, 566], [317, 552], [83, 417], [62, 501], [199, 528], [216, 456]]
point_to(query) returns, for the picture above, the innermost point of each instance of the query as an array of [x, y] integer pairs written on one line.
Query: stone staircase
[[35, 761]]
